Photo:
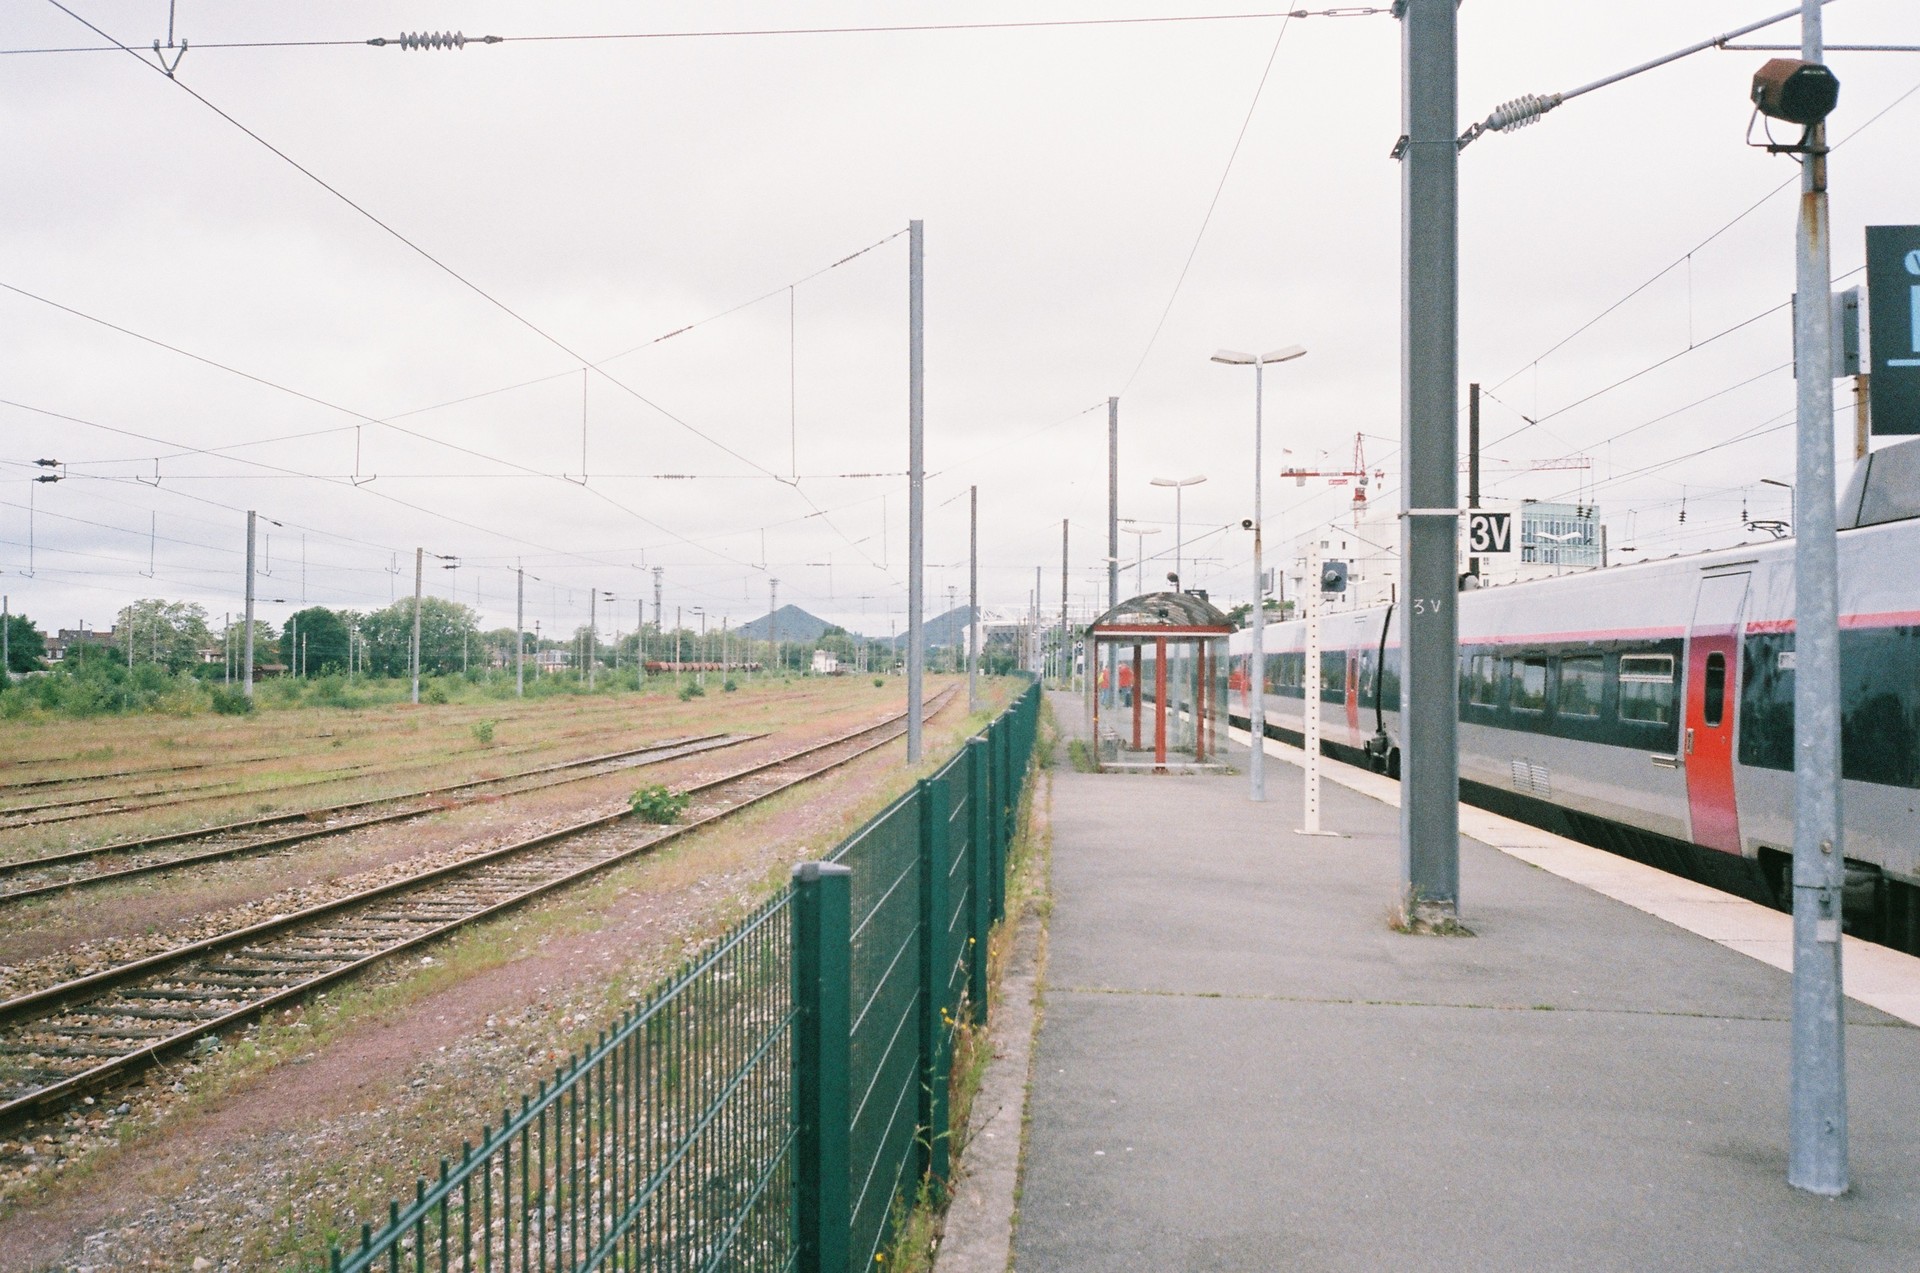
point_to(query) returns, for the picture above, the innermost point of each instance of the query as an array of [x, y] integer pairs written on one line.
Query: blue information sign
[[1893, 312]]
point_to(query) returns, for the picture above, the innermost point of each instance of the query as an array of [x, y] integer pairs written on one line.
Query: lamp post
[[1179, 485], [1140, 534], [1257, 674]]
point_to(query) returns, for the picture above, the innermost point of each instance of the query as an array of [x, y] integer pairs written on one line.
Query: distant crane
[[1358, 475]]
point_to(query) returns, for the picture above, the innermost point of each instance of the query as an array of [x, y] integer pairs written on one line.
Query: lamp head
[[1798, 92]]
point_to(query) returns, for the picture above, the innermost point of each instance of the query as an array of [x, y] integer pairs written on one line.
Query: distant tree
[[445, 628], [323, 633], [1242, 615], [26, 645], [170, 633]]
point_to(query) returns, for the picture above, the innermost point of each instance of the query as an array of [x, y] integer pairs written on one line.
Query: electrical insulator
[[1521, 111], [434, 40]]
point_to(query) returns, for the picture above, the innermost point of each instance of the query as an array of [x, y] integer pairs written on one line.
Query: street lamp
[[1140, 534], [1179, 485], [1257, 673]]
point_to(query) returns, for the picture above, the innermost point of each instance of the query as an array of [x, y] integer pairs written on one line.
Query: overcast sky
[[586, 198]]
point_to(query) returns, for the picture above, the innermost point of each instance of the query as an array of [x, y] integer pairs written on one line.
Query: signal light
[[1333, 576], [1798, 92]]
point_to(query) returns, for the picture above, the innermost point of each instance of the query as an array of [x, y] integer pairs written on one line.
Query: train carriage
[[1649, 708]]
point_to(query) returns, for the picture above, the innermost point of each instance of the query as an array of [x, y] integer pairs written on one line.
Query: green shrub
[[659, 804], [879, 681], [231, 702], [729, 687], [691, 690], [435, 694], [483, 733]]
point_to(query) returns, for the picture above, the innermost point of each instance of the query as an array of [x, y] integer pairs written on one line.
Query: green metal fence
[[767, 1105]]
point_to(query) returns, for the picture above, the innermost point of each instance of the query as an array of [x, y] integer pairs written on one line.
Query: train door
[[1713, 655], [1353, 697]]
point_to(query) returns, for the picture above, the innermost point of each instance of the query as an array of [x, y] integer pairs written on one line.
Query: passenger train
[[1648, 708]]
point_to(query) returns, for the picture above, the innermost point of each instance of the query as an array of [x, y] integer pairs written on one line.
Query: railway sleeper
[[182, 1013], [181, 994], [63, 1051], [250, 975], [111, 1032]]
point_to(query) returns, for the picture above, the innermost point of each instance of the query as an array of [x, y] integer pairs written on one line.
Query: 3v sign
[[1489, 533]]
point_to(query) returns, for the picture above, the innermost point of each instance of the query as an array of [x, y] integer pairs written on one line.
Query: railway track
[[73, 808], [79, 1036], [220, 789], [80, 868]]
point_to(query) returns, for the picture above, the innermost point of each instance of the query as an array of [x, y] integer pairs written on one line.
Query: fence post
[[979, 906], [997, 815], [936, 975], [1010, 814], [822, 1064]]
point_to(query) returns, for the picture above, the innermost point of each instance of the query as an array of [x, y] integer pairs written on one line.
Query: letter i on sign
[[1913, 293]]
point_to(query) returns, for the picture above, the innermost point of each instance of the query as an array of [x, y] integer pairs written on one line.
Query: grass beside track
[[316, 1139], [390, 749]]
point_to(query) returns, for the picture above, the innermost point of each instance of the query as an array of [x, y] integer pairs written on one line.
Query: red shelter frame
[[1188, 640]]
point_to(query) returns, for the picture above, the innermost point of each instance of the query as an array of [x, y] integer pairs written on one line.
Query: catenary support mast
[[916, 480], [1429, 359]]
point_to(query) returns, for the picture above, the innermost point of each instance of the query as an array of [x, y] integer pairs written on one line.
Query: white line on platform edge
[[1877, 976]]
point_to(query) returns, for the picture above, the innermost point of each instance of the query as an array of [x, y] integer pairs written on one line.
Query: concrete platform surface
[[1240, 1065]]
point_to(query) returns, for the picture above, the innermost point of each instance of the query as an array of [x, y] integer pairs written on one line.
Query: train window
[[1581, 680], [1646, 688], [1716, 691], [1529, 692], [1483, 681]]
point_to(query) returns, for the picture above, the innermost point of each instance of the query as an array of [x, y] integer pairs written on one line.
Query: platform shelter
[[1159, 702]]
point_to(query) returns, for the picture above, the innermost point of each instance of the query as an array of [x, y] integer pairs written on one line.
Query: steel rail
[[616, 762], [328, 776], [189, 793], [148, 771], [30, 1014], [206, 793]]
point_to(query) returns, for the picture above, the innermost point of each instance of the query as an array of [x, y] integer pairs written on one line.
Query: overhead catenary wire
[[1213, 203], [422, 252], [457, 40], [1686, 257]]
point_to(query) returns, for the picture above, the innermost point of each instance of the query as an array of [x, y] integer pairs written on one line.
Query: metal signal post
[[1817, 1124]]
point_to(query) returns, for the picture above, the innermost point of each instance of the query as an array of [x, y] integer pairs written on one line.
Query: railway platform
[[1240, 1066]]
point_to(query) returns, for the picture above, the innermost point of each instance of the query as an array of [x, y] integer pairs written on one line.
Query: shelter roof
[[1174, 612]]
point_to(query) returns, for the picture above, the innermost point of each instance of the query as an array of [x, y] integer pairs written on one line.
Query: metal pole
[[1473, 461], [6, 639], [773, 598], [973, 598], [1039, 646], [1179, 536], [519, 633], [246, 683], [419, 557], [593, 631], [1064, 660], [916, 477], [1429, 373], [1817, 1159], [1257, 674], [1113, 540], [1310, 695]]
